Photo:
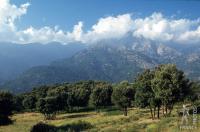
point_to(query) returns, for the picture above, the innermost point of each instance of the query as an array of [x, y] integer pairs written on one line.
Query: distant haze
[[15, 58]]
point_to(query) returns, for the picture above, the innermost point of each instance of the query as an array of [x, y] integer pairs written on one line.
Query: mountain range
[[112, 61], [17, 58]]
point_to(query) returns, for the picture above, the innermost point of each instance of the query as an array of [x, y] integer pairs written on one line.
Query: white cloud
[[155, 27], [158, 28], [9, 13], [190, 36], [42, 35], [77, 32], [110, 27]]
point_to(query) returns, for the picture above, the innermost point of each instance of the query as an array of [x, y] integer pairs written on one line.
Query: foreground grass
[[138, 120]]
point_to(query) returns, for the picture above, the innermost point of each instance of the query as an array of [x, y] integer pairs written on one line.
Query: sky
[[88, 21]]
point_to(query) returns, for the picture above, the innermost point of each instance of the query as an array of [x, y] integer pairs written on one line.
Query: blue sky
[[90, 21], [67, 13]]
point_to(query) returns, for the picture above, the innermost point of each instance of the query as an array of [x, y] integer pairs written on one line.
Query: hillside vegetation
[[160, 99]]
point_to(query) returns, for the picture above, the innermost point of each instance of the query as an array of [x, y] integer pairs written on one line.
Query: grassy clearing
[[106, 121]]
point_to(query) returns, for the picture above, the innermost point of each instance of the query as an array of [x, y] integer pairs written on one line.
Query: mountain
[[111, 61], [17, 58]]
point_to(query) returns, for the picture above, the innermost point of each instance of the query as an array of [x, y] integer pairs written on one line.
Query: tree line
[[157, 89]]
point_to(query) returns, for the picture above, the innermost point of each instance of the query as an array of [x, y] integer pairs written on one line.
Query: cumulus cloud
[[155, 27], [77, 32], [9, 13], [190, 36], [158, 28], [110, 27]]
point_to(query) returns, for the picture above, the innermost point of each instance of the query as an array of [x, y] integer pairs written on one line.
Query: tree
[[169, 85], [123, 95], [101, 96], [48, 107], [62, 97], [17, 103], [6, 107], [78, 96], [145, 96], [82, 95], [29, 102]]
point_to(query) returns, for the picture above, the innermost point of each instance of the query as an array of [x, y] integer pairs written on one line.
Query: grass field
[[138, 120]]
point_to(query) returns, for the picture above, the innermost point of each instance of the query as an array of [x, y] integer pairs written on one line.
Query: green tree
[[17, 103], [29, 102], [144, 96], [48, 107], [123, 95], [6, 107], [101, 96], [78, 96], [170, 86], [61, 93]]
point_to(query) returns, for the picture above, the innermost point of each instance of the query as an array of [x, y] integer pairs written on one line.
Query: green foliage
[[123, 95], [17, 103], [169, 85], [101, 96], [73, 127], [48, 106], [165, 85], [144, 93], [41, 127], [145, 96], [78, 96], [160, 87], [29, 102], [6, 107]]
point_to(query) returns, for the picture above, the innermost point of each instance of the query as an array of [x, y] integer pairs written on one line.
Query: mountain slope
[[95, 63], [110, 62], [16, 58]]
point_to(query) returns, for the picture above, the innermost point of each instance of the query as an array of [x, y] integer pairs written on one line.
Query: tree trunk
[[166, 110], [154, 112], [125, 111], [158, 112], [170, 109], [151, 113], [163, 110]]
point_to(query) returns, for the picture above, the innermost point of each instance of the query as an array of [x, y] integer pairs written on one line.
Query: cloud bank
[[155, 27]]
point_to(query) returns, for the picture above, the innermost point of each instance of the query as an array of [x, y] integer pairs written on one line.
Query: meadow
[[138, 120]]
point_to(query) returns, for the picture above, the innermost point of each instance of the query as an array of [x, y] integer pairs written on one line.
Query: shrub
[[6, 107], [41, 127]]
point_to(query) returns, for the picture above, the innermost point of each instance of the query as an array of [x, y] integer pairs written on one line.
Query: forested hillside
[[159, 92]]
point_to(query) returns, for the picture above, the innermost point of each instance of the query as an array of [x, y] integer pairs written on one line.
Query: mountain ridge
[[110, 62], [16, 58]]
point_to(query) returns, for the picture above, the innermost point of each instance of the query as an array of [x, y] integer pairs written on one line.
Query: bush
[[74, 127], [4, 120], [6, 107], [41, 127]]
